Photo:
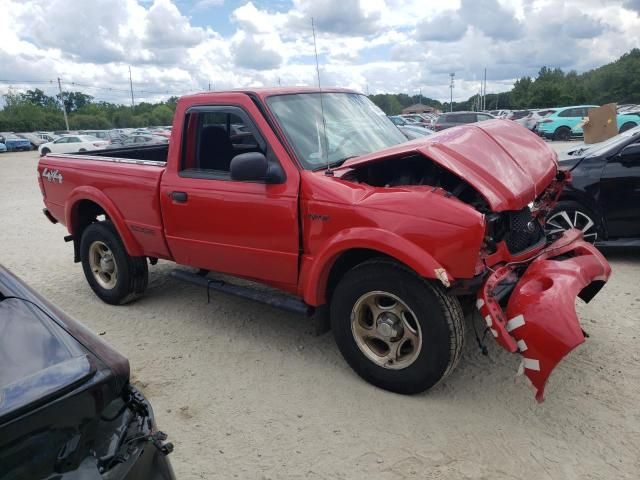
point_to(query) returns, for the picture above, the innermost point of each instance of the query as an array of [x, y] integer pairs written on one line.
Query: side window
[[482, 117], [61, 140], [465, 118], [212, 137], [571, 112]]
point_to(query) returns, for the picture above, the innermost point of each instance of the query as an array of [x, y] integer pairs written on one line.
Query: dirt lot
[[245, 391]]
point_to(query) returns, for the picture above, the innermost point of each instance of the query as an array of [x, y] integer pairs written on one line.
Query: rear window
[[461, 118]]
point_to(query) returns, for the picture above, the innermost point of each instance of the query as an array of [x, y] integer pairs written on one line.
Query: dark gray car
[[453, 119]]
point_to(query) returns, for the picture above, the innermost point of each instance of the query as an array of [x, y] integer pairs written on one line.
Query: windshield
[[354, 126]]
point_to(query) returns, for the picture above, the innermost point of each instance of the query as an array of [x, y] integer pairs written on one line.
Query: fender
[[315, 270], [131, 245]]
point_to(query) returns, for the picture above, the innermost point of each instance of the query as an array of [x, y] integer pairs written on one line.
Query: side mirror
[[630, 155], [254, 167]]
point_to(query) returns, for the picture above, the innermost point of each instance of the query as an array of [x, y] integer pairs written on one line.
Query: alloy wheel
[[386, 330], [566, 220]]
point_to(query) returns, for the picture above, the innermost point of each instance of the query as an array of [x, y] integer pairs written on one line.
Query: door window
[[212, 137]]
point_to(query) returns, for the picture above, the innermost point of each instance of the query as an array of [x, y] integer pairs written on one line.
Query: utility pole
[[484, 95], [64, 107], [420, 101], [131, 85], [452, 75], [209, 87]]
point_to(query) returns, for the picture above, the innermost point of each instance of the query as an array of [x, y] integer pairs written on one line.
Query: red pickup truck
[[317, 194]]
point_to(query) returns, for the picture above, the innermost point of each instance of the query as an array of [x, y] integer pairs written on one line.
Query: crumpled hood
[[508, 165]]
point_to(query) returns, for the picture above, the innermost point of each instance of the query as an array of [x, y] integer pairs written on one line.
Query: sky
[[175, 47]]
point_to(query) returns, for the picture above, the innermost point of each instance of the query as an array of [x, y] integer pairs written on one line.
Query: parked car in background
[[499, 113], [139, 140], [67, 408], [412, 132], [35, 139], [564, 123], [16, 144], [425, 118], [401, 121], [453, 119], [3, 148], [111, 136], [603, 198], [72, 144]]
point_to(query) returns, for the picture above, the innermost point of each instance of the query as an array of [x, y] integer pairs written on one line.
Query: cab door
[[247, 229], [620, 193]]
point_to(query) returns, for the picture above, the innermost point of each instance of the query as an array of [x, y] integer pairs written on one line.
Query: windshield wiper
[[335, 164]]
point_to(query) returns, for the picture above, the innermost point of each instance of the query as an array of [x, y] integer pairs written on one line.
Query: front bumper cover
[[540, 321]]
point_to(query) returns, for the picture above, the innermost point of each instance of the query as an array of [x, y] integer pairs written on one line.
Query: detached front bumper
[[529, 306]]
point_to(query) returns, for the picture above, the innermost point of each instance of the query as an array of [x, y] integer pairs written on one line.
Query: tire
[[568, 214], [82, 150], [435, 315], [627, 126], [562, 134], [129, 275], [45, 151]]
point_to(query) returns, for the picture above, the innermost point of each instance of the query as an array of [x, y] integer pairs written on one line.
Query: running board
[[274, 299]]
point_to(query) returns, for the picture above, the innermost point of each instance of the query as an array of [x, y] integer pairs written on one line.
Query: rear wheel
[[45, 151], [562, 134], [569, 214], [627, 126], [396, 330], [115, 276]]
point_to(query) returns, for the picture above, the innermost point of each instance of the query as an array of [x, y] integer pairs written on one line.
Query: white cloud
[[385, 45]]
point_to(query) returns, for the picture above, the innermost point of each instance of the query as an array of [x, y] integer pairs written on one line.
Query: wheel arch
[[320, 277], [84, 206]]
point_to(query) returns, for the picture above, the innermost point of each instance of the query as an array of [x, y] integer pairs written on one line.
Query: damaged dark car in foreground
[[67, 409]]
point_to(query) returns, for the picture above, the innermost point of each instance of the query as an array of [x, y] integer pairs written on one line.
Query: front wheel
[[569, 214], [396, 330], [115, 276], [627, 126], [44, 151]]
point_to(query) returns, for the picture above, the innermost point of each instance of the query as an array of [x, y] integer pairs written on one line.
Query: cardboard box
[[601, 124]]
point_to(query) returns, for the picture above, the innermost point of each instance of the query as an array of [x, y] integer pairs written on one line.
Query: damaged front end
[[529, 305]]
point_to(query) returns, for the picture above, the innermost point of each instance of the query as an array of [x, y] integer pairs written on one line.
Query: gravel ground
[[246, 391]]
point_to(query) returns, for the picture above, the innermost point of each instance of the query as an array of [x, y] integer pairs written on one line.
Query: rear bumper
[[538, 317]]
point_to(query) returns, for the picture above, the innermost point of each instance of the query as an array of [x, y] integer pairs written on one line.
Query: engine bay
[[417, 170]]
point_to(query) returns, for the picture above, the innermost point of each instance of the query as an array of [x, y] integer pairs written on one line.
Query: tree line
[[34, 110], [618, 82]]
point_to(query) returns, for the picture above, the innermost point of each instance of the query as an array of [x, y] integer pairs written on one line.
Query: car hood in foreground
[[508, 165]]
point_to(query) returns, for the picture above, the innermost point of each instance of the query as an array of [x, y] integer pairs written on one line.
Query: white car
[[72, 144]]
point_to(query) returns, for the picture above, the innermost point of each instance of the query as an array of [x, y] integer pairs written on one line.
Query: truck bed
[[127, 186], [153, 153]]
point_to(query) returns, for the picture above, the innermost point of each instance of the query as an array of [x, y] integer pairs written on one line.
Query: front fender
[[97, 196], [315, 271]]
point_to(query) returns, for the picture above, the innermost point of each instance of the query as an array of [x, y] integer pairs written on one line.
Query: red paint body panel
[[505, 162], [290, 235], [415, 225], [128, 192], [540, 319]]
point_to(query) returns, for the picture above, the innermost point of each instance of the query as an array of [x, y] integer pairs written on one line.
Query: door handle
[[180, 197]]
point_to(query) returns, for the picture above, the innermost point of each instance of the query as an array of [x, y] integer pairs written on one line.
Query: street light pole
[[451, 87], [64, 107]]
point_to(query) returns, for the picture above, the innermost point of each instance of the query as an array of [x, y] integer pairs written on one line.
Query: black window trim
[[229, 108]]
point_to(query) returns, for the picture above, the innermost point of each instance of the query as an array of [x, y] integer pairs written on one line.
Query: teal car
[[563, 123]]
